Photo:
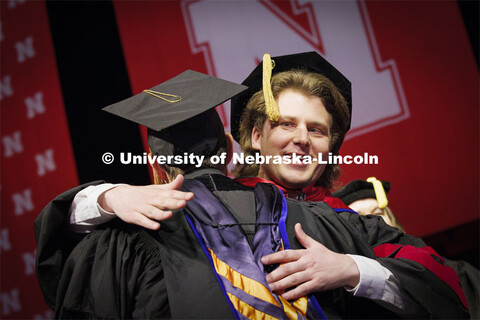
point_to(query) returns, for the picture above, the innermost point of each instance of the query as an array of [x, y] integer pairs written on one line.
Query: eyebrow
[[315, 123]]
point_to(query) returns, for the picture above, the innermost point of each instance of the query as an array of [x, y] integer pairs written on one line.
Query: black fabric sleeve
[[424, 275], [113, 273], [54, 241], [470, 278]]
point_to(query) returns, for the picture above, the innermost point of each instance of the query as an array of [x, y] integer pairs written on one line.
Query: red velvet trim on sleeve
[[424, 256], [335, 203]]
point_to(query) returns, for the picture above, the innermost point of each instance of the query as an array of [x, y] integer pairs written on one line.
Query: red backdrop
[[415, 101]]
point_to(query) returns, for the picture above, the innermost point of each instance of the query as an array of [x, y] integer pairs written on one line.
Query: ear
[[256, 135], [229, 138], [159, 174]]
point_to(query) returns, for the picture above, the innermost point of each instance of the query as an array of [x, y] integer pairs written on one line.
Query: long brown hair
[[310, 84]]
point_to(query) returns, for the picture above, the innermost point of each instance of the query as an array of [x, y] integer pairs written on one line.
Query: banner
[[37, 160]]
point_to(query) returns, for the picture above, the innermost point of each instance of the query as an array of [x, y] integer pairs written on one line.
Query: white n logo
[[10, 302], [45, 162], [29, 260], [25, 50], [12, 144], [340, 30], [23, 202], [5, 87], [34, 105]]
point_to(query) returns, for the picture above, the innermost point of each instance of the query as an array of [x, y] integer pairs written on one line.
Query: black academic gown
[[470, 278], [123, 271]]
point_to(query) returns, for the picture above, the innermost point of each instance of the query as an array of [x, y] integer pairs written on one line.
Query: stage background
[[415, 105]]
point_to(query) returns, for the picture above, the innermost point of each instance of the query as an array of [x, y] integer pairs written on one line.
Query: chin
[[298, 180], [296, 183]]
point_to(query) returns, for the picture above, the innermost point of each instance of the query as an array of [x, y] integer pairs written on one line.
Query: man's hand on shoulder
[[145, 205]]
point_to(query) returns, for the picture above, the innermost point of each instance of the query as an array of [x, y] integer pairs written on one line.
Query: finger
[[303, 238], [143, 221], [300, 291], [180, 195], [281, 257], [168, 204], [284, 271], [292, 280], [154, 213], [176, 183], [173, 194]]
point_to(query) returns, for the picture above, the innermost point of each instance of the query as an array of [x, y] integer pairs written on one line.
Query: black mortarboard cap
[[309, 61], [357, 190], [180, 114]]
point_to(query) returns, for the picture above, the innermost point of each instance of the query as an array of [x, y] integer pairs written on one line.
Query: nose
[[301, 136]]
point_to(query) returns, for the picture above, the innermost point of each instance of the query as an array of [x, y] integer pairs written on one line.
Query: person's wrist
[[352, 273], [104, 199]]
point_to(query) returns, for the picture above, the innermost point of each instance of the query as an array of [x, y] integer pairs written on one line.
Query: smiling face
[[304, 129], [254, 125]]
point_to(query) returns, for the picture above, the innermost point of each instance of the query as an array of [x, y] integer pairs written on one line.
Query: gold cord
[[159, 95]]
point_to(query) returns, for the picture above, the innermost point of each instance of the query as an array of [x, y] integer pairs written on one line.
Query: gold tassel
[[379, 192], [270, 104]]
